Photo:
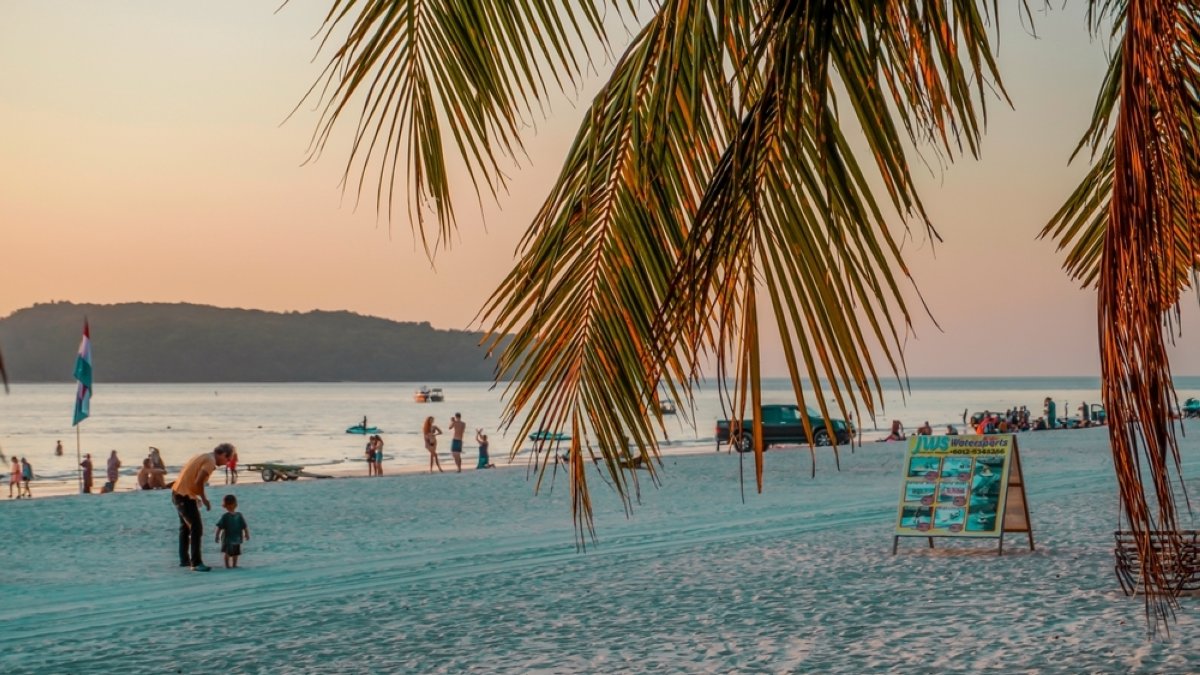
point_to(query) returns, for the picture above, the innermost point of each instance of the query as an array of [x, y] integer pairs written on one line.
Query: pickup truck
[[782, 424]]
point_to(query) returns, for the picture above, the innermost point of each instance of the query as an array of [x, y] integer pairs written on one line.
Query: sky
[[147, 154]]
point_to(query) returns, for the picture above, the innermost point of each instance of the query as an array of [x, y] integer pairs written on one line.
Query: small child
[[235, 529]]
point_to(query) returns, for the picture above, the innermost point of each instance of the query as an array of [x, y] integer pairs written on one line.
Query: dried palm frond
[[1132, 229]]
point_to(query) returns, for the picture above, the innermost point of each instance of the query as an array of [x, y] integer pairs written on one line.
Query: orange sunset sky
[[146, 157]]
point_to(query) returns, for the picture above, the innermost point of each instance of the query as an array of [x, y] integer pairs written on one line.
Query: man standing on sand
[[457, 427], [186, 489], [58, 449]]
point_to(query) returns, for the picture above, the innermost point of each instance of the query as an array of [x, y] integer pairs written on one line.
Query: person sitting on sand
[[150, 477], [896, 434]]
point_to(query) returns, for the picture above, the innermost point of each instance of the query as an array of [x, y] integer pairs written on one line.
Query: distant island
[[161, 342]]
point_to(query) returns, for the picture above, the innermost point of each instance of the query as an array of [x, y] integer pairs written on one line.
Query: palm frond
[[414, 70], [790, 214], [1133, 225], [599, 258]]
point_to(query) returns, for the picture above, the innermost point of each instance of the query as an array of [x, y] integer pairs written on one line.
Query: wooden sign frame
[[1015, 505]]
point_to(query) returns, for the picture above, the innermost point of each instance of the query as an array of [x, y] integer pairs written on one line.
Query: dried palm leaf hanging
[[1132, 229]]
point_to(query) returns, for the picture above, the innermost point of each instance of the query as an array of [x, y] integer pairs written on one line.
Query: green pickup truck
[[782, 424]]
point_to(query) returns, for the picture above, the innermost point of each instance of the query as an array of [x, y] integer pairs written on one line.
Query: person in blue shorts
[[233, 526], [457, 427], [378, 455]]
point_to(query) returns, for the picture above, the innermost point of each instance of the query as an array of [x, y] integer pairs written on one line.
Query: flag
[[83, 373]]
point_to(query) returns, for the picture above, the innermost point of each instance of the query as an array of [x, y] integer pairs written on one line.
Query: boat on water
[[427, 395], [360, 429], [1190, 408], [666, 406], [548, 436]]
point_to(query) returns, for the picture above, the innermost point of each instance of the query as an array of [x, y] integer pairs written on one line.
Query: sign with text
[[955, 486]]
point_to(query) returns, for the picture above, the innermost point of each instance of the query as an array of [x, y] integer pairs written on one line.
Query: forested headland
[[159, 342]]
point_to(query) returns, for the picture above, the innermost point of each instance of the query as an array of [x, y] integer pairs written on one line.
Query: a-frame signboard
[[962, 486]]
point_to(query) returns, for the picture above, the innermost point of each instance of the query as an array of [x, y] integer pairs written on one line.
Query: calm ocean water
[[305, 423]]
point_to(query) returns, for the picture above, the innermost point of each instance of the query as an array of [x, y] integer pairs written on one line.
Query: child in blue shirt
[[234, 527]]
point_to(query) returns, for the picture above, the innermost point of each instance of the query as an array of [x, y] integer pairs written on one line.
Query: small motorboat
[[421, 395], [360, 429], [435, 395], [666, 406]]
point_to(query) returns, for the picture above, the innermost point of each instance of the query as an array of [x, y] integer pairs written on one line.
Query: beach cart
[[272, 472]]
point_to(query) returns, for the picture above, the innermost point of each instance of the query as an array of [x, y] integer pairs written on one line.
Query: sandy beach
[[473, 572]]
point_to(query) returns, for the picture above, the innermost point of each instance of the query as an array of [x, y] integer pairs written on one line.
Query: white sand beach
[[473, 572]]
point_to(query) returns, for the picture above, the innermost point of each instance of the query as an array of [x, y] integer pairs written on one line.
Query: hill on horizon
[[181, 342]]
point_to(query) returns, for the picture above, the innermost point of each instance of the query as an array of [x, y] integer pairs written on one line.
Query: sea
[[305, 423]]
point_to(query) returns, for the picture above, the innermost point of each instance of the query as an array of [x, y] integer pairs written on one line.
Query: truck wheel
[[821, 437], [268, 475], [745, 443]]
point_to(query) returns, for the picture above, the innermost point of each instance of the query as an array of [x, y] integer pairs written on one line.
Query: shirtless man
[[457, 427], [186, 489]]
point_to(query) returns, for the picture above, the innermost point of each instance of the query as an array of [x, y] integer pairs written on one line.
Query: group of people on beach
[[430, 432]]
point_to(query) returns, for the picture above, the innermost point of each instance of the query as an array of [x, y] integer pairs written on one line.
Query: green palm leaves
[[743, 167], [718, 171], [416, 72]]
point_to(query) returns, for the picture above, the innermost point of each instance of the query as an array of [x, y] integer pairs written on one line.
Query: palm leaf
[[599, 258], [790, 204], [414, 70], [1149, 244], [1131, 229]]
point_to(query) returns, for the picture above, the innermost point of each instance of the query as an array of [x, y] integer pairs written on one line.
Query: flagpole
[[78, 460], [83, 394]]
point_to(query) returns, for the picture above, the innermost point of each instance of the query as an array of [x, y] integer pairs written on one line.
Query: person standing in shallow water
[[430, 432], [58, 449], [185, 491]]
